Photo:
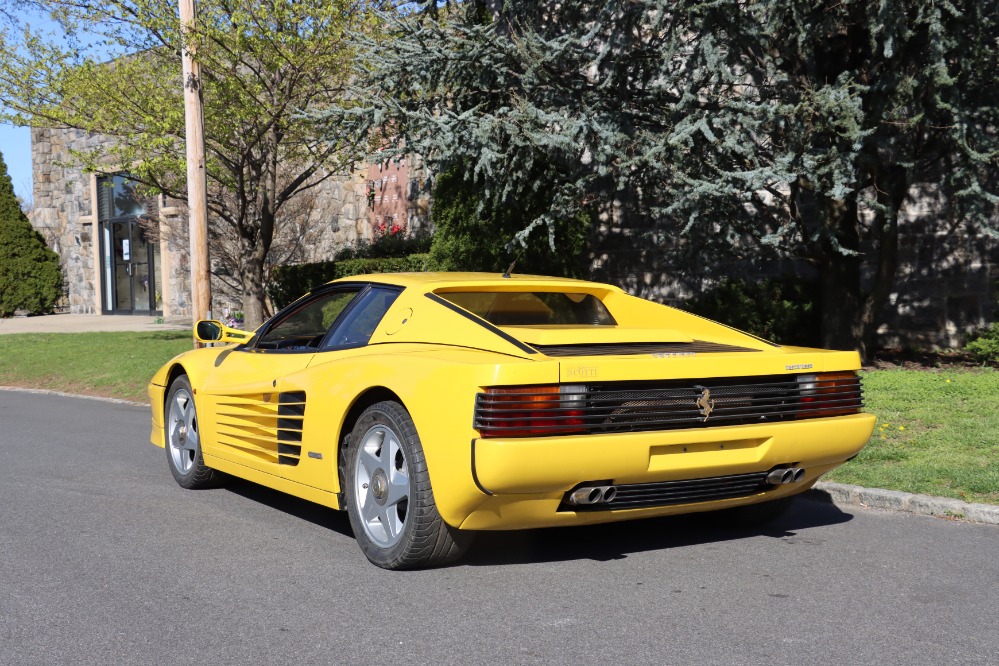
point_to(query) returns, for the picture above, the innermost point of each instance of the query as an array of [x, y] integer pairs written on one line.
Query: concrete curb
[[118, 401], [842, 494]]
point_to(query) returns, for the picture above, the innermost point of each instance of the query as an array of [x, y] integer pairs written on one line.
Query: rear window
[[532, 308]]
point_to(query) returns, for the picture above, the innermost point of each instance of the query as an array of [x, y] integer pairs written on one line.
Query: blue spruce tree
[[753, 129]]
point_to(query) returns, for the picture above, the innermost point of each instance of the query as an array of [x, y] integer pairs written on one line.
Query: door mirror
[[210, 330]]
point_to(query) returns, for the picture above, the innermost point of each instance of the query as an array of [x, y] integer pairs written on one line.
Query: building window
[[118, 196]]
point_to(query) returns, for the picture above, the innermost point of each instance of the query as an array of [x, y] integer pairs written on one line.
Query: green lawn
[[116, 365], [937, 433]]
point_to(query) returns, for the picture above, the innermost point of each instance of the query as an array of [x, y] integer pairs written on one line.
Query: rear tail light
[[524, 411], [829, 394]]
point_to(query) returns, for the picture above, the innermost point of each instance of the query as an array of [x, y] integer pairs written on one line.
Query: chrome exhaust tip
[[799, 474], [592, 495], [586, 495], [780, 476]]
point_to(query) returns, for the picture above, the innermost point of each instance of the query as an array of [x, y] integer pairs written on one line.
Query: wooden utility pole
[[197, 182]]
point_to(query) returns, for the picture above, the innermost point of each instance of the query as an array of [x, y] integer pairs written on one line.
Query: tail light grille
[[645, 406]]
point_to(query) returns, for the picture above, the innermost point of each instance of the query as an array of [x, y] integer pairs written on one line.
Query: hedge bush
[[985, 345], [289, 282], [413, 263], [781, 310]]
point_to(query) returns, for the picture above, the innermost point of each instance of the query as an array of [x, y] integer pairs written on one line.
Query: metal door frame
[[109, 290]]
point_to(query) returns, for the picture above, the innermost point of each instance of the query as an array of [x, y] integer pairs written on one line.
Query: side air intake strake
[[268, 425], [530, 411]]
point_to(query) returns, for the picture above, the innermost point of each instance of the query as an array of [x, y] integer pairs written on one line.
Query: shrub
[[30, 277], [388, 242], [289, 282], [985, 345], [777, 309], [413, 263], [393, 242]]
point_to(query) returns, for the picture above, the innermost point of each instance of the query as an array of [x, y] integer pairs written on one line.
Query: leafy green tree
[[263, 64], [725, 129], [30, 278]]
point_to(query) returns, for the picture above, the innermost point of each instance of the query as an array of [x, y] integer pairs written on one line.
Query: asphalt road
[[105, 560]]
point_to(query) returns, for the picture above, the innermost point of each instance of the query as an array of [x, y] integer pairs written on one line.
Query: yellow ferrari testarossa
[[432, 405]]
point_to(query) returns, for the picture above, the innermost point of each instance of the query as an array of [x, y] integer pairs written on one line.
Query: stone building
[[123, 253]]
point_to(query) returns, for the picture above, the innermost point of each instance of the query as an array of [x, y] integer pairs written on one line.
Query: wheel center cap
[[379, 485], [182, 432]]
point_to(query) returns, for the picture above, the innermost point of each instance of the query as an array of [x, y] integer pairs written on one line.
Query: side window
[[359, 324], [305, 327]]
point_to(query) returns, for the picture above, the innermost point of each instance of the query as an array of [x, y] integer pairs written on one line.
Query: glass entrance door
[[129, 269]]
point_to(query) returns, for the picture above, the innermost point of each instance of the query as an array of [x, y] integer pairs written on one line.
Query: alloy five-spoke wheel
[[183, 439], [381, 486], [388, 495], [182, 430]]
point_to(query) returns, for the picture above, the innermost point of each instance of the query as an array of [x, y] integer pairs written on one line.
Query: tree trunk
[[841, 296], [850, 316], [892, 191], [254, 253], [884, 278], [252, 280]]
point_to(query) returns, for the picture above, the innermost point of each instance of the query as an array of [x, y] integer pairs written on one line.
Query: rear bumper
[[526, 479]]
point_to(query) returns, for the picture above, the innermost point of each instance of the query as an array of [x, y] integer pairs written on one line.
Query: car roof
[[435, 281]]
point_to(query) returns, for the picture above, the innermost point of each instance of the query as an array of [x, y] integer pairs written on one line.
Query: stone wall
[[313, 227], [175, 262], [62, 212], [947, 285]]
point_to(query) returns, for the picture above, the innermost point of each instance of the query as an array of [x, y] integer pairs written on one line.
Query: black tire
[[183, 451], [754, 515], [387, 493]]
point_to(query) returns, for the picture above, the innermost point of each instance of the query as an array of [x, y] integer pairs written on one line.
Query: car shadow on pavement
[[613, 541], [300, 508]]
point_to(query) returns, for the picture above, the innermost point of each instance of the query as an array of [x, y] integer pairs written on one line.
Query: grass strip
[[112, 365]]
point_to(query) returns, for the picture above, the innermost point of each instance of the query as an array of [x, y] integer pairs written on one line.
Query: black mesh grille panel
[[633, 349], [668, 493]]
